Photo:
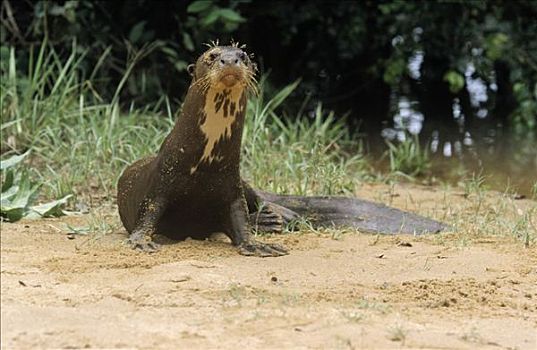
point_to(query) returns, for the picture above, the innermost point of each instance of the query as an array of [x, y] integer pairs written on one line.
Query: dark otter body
[[192, 187]]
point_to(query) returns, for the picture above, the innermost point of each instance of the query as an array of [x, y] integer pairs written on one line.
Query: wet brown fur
[[192, 187]]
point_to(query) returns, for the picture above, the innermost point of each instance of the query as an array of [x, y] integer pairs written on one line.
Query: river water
[[503, 157]]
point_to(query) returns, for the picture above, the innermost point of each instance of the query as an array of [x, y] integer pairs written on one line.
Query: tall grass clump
[[407, 157], [79, 143], [305, 155]]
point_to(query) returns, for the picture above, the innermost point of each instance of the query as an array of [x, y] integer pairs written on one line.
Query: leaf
[[8, 182], [25, 194], [5, 201], [210, 18], [56, 10], [230, 27], [8, 124], [80, 230], [13, 214], [180, 66], [495, 45], [231, 15], [281, 96], [187, 41], [136, 32], [4, 52], [169, 51], [51, 208], [394, 70], [198, 6], [14, 160], [455, 80]]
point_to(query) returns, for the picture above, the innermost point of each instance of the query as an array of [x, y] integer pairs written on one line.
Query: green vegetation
[[19, 193], [474, 185], [303, 155], [80, 143], [332, 46], [88, 83], [408, 157]]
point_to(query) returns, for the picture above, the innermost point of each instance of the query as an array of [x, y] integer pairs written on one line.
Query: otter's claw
[[262, 250], [266, 220], [272, 218], [143, 245]]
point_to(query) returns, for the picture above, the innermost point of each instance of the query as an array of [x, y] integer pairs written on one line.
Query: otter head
[[222, 75], [224, 67]]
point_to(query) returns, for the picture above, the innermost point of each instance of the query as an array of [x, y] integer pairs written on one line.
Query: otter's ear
[[191, 68]]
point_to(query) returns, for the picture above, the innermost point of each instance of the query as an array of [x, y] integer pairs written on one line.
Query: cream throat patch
[[222, 106]]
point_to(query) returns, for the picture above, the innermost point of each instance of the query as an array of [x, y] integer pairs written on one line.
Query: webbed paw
[[267, 220], [263, 250], [143, 245]]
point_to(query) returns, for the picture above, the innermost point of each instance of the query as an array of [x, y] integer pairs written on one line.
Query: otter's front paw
[[263, 250], [143, 244]]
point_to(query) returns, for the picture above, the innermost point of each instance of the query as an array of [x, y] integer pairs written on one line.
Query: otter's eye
[[213, 56]]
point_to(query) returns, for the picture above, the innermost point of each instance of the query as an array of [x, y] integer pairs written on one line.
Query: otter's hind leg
[[266, 216]]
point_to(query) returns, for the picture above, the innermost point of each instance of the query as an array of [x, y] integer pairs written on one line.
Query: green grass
[[474, 185], [408, 157], [80, 144], [305, 155]]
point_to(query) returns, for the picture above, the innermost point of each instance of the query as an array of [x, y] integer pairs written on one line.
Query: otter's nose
[[229, 59]]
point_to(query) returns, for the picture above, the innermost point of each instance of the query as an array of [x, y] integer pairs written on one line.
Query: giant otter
[[193, 188]]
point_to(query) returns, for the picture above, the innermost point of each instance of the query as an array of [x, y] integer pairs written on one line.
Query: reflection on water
[[477, 90], [503, 158], [459, 149], [414, 65], [406, 119]]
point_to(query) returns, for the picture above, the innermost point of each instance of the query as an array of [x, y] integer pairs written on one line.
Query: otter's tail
[[360, 214]]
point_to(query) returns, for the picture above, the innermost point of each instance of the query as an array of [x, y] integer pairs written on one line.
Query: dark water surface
[[465, 139], [504, 158]]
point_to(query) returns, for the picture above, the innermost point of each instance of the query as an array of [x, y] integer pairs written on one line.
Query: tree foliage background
[[350, 55]]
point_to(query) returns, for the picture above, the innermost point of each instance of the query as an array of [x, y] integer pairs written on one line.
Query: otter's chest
[[220, 128]]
